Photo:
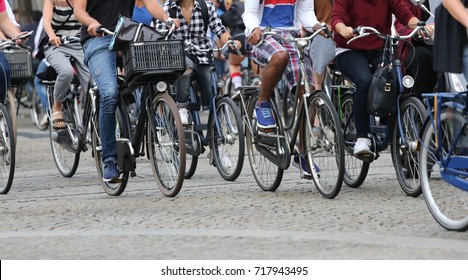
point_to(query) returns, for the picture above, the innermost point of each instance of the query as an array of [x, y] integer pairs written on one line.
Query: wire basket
[[21, 66], [164, 59]]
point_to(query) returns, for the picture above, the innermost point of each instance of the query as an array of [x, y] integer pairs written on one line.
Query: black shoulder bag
[[44, 40], [382, 95]]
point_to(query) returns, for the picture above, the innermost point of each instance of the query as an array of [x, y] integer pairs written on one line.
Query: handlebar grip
[[328, 33], [357, 30]]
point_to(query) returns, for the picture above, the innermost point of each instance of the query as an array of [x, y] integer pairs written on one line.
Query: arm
[[340, 19], [47, 14], [251, 15], [158, 12], [457, 10], [8, 28], [85, 19], [306, 14]]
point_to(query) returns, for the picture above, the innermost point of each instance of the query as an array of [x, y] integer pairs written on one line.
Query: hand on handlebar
[[347, 32], [55, 41], [255, 36], [93, 29], [22, 37]]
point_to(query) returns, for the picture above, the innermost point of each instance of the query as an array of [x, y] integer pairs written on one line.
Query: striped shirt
[[64, 13], [195, 32]]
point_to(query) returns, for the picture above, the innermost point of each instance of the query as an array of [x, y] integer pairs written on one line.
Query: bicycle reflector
[[220, 83], [408, 81], [161, 86]]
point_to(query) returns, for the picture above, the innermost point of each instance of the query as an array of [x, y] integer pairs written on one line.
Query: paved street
[[46, 216]]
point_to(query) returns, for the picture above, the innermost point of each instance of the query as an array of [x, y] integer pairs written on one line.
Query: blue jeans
[[4, 77], [354, 64], [101, 63], [465, 61], [203, 78], [41, 88]]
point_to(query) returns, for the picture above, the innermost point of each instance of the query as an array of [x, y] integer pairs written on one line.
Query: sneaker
[[225, 161], [183, 112], [264, 115], [236, 94], [110, 174], [362, 147], [295, 163]]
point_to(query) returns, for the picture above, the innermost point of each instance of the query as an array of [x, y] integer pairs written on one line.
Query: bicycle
[[444, 159], [399, 130], [154, 64], [68, 143], [270, 151], [224, 130], [18, 69]]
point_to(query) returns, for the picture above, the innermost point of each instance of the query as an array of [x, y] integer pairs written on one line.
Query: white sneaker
[[183, 112], [362, 146], [225, 161]]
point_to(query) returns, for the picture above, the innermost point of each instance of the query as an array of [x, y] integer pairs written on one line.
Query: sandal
[[58, 122]]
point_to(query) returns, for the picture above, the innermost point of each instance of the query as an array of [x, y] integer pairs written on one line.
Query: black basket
[[21, 66], [164, 59]]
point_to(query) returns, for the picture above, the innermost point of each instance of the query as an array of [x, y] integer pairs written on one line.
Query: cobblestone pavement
[[46, 216]]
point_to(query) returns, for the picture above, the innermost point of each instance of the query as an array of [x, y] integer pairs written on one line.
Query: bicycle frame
[[448, 161]]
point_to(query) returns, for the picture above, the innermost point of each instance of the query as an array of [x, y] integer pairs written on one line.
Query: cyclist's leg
[[4, 77], [183, 84], [82, 70], [40, 88], [58, 58], [322, 52], [102, 65], [276, 58]]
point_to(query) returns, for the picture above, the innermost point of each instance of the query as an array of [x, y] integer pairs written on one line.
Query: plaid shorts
[[266, 50]]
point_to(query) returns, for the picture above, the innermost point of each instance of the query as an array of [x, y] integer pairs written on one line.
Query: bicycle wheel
[[12, 109], [323, 145], [355, 170], [7, 151], [166, 144], [405, 157], [448, 204], [227, 142], [121, 131], [38, 113], [267, 174], [65, 151]]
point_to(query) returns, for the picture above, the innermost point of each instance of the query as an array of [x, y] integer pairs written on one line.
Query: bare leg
[[272, 74]]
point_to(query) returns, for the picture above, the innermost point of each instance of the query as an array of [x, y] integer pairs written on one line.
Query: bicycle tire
[[66, 155], [267, 175], [324, 147], [12, 109], [8, 151], [121, 131], [405, 159], [37, 112], [446, 203], [355, 169], [229, 148], [167, 149], [191, 160]]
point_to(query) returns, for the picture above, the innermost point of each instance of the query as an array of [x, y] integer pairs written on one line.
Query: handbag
[[128, 31], [382, 95], [44, 39]]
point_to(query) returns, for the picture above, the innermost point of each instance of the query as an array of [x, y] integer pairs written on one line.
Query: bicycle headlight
[[161, 86], [408, 81], [220, 83]]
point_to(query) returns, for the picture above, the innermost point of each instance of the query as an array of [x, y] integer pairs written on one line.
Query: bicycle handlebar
[[12, 42], [363, 31], [228, 43]]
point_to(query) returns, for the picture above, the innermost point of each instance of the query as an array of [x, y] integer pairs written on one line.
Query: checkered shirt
[[195, 32]]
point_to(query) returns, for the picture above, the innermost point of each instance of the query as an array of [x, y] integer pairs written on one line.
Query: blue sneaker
[[295, 163], [110, 173], [264, 115]]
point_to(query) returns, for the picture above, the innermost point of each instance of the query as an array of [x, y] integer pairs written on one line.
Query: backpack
[[204, 11]]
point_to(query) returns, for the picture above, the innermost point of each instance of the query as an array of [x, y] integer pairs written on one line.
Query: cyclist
[[451, 56], [9, 29], [417, 59], [58, 21], [192, 30], [353, 59], [102, 64], [280, 58]]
